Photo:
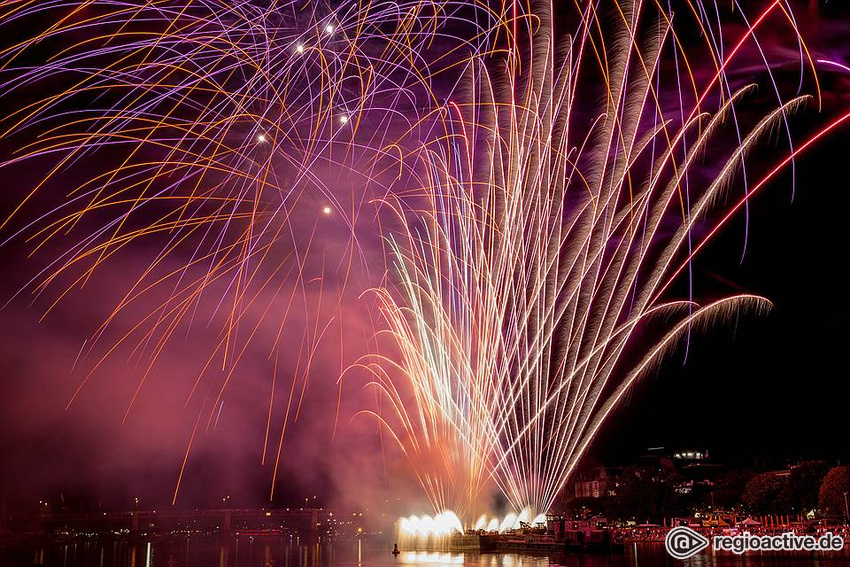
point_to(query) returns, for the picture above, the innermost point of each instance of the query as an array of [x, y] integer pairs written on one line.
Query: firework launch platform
[[559, 536]]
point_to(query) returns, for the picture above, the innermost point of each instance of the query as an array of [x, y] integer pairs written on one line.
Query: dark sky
[[759, 389]]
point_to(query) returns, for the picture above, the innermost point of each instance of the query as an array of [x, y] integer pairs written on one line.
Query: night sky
[[757, 391]]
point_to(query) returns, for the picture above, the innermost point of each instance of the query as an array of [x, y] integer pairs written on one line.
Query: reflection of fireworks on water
[[537, 273]]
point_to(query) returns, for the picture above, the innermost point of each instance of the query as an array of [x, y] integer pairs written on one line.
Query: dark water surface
[[289, 553]]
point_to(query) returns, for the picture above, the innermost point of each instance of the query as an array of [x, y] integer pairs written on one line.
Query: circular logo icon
[[683, 542]]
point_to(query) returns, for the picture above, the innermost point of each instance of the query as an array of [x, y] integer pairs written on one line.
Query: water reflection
[[261, 552]]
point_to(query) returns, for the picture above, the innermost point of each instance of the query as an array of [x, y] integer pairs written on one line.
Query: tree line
[[646, 493]]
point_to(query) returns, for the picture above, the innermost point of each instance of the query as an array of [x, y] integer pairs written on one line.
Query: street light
[[846, 508]]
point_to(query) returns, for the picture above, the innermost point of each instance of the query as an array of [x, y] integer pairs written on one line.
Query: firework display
[[519, 194], [209, 137], [545, 270]]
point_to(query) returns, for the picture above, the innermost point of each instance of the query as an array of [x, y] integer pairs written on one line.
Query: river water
[[261, 552]]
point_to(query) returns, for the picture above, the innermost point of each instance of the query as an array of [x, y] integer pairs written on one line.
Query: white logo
[[683, 542]]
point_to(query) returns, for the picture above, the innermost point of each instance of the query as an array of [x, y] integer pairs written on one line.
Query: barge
[[559, 535]]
